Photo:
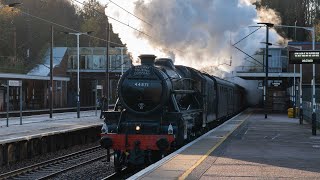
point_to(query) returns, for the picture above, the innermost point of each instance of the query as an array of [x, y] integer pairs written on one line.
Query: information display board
[[304, 57]]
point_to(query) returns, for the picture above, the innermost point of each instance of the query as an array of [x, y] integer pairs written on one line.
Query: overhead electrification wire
[[247, 36], [130, 13], [68, 28], [114, 19], [234, 45], [253, 62], [248, 55], [121, 22]]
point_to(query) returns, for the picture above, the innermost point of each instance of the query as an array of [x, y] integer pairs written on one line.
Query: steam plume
[[197, 33]]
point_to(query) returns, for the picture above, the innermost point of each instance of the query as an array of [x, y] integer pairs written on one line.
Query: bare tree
[[295, 12]]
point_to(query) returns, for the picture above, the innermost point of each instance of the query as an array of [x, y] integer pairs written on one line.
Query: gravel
[[96, 170], [45, 157]]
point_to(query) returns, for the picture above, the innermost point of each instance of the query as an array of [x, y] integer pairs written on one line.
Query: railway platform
[[39, 134], [247, 146], [43, 124]]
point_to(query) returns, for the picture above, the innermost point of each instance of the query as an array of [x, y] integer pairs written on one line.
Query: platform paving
[[43, 124], [258, 148]]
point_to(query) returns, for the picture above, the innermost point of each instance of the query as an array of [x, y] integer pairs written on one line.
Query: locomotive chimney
[[147, 59]]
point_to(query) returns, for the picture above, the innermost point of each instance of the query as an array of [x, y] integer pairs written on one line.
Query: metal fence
[[307, 111]]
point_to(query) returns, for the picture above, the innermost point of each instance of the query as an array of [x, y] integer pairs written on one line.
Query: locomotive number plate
[[139, 84]]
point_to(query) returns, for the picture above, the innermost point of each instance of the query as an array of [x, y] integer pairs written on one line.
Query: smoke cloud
[[196, 33], [199, 33]]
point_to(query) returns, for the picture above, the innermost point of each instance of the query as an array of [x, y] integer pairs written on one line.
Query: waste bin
[[290, 112]]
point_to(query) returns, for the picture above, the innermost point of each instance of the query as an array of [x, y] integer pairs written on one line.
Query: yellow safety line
[[186, 174]]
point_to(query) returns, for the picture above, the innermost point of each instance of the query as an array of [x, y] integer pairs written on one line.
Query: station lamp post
[[107, 66], [294, 85], [78, 70], [267, 25]]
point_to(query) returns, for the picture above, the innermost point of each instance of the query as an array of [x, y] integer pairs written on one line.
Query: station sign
[[15, 83], [276, 84], [304, 57], [99, 87]]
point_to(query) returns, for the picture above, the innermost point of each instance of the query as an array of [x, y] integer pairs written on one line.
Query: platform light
[[78, 66], [267, 25]]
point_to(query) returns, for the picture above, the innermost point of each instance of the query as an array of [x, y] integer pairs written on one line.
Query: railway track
[[115, 175], [54, 167], [123, 174]]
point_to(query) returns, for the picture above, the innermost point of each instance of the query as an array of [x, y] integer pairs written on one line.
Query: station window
[[70, 62], [115, 62], [99, 62], [82, 62], [75, 62], [89, 62]]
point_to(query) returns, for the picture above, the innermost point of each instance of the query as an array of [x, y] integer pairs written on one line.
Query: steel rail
[[54, 166], [115, 175]]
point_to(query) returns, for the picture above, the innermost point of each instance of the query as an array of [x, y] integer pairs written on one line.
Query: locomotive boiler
[[161, 106]]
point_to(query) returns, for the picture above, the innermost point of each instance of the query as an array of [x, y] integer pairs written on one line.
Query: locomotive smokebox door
[[144, 89]]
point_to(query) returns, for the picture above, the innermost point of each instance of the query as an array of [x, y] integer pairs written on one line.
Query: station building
[[92, 70], [92, 65], [282, 76]]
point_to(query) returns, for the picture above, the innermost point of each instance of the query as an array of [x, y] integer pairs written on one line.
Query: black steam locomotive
[[160, 106]]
